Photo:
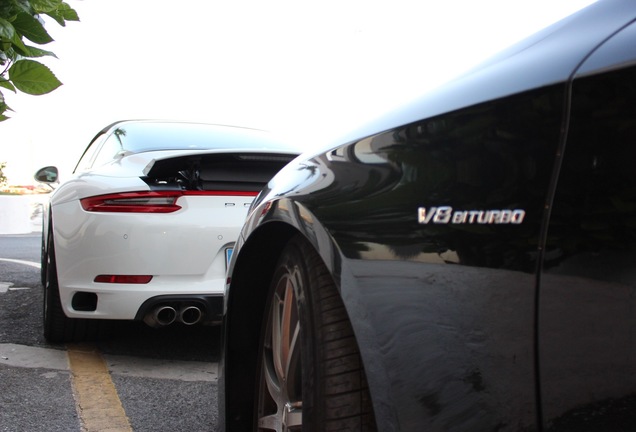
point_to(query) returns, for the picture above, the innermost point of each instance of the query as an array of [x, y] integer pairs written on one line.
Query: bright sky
[[313, 69]]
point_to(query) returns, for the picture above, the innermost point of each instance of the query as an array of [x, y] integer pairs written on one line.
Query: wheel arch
[[246, 302], [246, 299]]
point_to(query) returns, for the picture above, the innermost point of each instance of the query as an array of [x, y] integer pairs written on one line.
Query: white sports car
[[144, 228]]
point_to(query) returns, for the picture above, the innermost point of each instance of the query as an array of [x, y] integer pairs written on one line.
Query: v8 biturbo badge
[[446, 215]]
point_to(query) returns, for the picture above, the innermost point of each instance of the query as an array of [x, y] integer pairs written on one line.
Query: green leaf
[[36, 52], [68, 12], [3, 107], [7, 31], [6, 84], [61, 13], [9, 54], [5, 47], [32, 29], [57, 17], [45, 6], [9, 34], [33, 77], [18, 45], [9, 9]]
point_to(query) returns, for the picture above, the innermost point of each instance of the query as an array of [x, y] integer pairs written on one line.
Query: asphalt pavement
[[164, 379]]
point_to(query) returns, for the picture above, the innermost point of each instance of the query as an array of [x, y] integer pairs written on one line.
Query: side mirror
[[47, 175]]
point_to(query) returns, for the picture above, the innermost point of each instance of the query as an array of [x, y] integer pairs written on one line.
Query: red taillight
[[123, 279], [148, 202], [133, 202]]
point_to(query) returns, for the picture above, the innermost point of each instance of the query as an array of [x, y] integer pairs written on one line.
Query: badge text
[[446, 215]]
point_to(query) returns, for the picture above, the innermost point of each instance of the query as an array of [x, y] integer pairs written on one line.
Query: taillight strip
[[149, 201]]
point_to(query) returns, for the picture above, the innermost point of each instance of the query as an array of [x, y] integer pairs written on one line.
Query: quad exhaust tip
[[190, 315], [164, 315]]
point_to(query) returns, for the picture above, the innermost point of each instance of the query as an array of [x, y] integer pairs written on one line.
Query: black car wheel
[[57, 326], [310, 369]]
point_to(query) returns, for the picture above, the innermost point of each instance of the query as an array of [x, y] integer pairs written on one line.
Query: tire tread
[[346, 400]]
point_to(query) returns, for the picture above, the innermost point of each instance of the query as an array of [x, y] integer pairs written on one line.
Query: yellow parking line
[[98, 404]]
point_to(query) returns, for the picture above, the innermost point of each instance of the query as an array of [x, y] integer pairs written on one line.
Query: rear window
[[151, 136]]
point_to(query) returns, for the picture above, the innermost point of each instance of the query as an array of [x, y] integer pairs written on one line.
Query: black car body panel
[[482, 240], [587, 284]]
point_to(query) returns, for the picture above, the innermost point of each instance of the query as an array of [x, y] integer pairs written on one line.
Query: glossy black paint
[[475, 326], [588, 321]]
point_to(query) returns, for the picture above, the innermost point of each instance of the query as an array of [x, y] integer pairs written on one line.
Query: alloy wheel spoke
[[281, 363], [273, 384], [271, 422], [285, 332]]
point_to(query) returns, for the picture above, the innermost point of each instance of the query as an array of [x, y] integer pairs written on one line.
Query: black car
[[466, 263]]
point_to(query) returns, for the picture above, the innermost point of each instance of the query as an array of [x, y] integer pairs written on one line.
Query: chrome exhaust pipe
[[161, 316], [190, 315]]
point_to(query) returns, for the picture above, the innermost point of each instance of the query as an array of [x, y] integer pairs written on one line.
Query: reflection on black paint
[[615, 415], [595, 209], [588, 350], [491, 156]]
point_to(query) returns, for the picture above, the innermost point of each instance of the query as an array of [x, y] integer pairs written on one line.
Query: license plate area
[[228, 256]]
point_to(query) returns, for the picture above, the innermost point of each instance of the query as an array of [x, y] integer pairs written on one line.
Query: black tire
[[58, 327], [43, 260], [310, 372]]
